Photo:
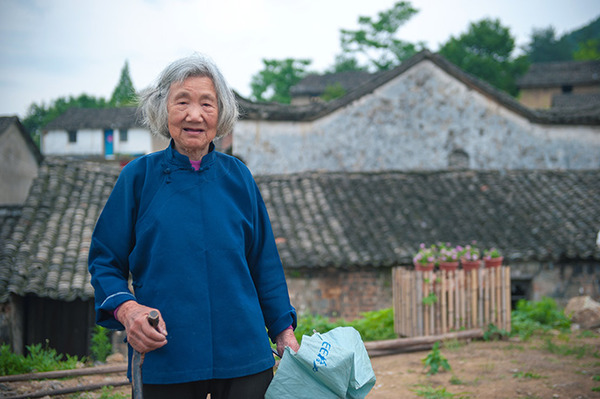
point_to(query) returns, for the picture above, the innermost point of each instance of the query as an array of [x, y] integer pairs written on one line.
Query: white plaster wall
[[91, 142], [139, 141], [414, 122]]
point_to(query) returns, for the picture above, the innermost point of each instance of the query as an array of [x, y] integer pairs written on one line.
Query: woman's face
[[193, 114]]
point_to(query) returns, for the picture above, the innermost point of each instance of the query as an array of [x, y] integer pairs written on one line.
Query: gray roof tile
[[338, 220], [96, 118]]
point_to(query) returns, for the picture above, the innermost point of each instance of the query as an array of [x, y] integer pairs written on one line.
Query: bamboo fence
[[438, 302]]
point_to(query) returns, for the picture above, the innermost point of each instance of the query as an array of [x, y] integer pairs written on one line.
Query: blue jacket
[[200, 248]]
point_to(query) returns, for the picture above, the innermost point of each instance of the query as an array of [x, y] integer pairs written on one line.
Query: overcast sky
[[55, 48]]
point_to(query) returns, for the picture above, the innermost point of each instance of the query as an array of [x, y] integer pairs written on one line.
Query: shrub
[[544, 315], [101, 346]]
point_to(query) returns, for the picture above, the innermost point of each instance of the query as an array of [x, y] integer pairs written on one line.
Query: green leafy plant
[[38, 359], [434, 360], [447, 253], [430, 299], [101, 346], [491, 253], [372, 326], [527, 374], [542, 316], [493, 333]]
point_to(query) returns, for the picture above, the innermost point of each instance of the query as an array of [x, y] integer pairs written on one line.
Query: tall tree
[[273, 83], [546, 47], [124, 93], [376, 38], [485, 51]]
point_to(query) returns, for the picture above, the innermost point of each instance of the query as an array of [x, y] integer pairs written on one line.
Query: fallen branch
[[65, 373], [391, 346], [65, 391]]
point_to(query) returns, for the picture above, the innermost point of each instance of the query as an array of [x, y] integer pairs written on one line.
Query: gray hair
[[153, 101]]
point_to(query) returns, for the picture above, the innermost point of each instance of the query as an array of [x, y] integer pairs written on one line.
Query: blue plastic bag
[[330, 365]]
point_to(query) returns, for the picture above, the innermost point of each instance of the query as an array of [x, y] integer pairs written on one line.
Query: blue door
[[109, 143]]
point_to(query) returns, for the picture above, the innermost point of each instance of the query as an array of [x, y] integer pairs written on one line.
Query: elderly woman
[[190, 227]]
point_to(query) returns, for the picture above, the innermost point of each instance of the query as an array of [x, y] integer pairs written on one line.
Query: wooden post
[[419, 303], [444, 304]]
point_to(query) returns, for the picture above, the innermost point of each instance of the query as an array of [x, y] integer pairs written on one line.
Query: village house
[[19, 161], [566, 84], [106, 133], [425, 114]]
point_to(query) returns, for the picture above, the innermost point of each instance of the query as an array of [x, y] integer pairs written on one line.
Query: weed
[[530, 317], [527, 374], [372, 326], [38, 359], [430, 299], [101, 346], [453, 344], [596, 378], [578, 351], [434, 360], [587, 334], [454, 380], [494, 333], [430, 392], [596, 389], [106, 393]]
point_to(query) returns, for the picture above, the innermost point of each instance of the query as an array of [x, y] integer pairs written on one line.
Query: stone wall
[[340, 293], [418, 120], [346, 294]]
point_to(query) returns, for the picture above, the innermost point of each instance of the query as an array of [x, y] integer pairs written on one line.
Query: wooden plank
[[443, 303]]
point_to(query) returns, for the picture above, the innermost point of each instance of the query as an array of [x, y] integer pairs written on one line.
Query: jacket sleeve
[[112, 241], [267, 271]]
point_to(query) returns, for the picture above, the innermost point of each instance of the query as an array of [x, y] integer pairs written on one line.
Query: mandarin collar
[[175, 157]]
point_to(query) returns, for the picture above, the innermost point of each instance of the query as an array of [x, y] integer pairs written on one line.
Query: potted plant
[[492, 257], [448, 257], [470, 257], [424, 259]]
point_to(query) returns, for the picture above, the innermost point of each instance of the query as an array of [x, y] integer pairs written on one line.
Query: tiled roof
[[314, 111], [577, 100], [315, 85], [96, 118], [378, 219], [8, 220], [46, 253], [557, 74], [338, 220]]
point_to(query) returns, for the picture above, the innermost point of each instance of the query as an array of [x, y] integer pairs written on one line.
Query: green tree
[[345, 62], [376, 38], [124, 93], [485, 51], [546, 47], [588, 50], [273, 83]]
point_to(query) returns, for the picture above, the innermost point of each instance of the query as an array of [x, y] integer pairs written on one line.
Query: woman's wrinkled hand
[[140, 334], [286, 338]]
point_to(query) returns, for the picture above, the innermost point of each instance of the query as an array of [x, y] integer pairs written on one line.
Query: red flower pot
[[470, 264], [424, 267], [493, 262], [450, 266]]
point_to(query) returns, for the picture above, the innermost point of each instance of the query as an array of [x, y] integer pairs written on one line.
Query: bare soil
[[564, 368]]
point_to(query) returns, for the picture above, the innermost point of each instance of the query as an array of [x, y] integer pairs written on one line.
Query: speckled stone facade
[[423, 119]]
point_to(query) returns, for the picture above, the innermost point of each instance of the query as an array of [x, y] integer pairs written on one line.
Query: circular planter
[[450, 266], [470, 264], [424, 267], [493, 262]]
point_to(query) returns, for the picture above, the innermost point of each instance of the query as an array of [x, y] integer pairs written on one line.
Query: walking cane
[[138, 359]]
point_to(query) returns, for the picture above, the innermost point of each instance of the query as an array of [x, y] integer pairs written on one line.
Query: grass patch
[[429, 392], [527, 374], [578, 351]]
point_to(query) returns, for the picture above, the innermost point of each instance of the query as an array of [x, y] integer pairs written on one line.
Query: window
[[72, 136], [567, 89], [123, 135]]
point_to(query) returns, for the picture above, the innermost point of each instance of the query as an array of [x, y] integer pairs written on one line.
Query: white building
[[108, 133]]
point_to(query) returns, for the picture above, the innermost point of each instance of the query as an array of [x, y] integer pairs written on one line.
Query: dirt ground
[[559, 368]]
